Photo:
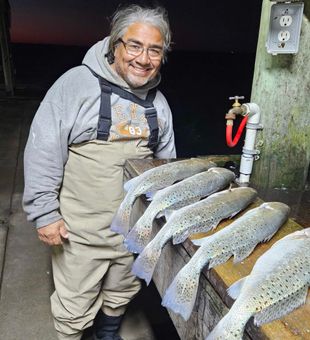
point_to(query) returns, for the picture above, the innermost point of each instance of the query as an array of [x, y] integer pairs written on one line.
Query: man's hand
[[54, 233]]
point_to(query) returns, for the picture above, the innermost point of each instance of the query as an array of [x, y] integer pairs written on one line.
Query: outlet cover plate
[[279, 14]]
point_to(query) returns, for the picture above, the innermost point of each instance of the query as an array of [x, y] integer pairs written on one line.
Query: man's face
[[138, 70]]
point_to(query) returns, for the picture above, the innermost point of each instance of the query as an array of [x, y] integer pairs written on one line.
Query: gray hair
[[127, 16]]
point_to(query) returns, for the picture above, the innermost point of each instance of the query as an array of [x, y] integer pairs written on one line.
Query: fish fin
[[299, 234], [234, 213], [269, 237], [281, 308], [181, 295], [160, 214], [219, 260], [199, 241], [242, 253], [165, 213], [180, 237], [211, 226], [145, 263], [138, 237], [168, 213], [120, 223], [235, 289], [150, 195], [194, 199], [131, 183]]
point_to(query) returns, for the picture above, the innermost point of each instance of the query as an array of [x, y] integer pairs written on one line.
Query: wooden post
[[281, 87], [5, 50]]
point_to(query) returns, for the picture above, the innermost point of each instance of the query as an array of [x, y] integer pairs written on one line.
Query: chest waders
[[93, 269]]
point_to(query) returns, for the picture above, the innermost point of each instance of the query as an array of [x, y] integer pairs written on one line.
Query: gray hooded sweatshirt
[[68, 115]]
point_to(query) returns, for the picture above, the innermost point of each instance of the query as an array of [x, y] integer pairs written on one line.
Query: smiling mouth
[[140, 71]]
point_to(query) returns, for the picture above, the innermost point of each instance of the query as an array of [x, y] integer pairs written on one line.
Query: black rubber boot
[[106, 327]]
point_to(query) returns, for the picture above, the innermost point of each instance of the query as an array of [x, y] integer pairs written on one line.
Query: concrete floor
[[25, 269]]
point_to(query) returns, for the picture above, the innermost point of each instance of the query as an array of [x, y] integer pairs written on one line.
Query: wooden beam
[[5, 48], [212, 299]]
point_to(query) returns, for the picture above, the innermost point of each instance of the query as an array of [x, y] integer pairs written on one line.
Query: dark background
[[214, 46], [213, 57]]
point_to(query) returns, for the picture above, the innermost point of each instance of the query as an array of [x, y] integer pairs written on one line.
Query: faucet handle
[[236, 99]]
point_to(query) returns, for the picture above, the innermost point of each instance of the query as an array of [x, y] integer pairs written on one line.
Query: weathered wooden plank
[[212, 299], [281, 89]]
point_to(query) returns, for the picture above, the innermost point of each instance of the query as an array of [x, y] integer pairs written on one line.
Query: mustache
[[143, 67]]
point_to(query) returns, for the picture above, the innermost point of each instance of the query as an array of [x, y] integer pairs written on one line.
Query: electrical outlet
[[286, 20], [284, 36], [284, 27]]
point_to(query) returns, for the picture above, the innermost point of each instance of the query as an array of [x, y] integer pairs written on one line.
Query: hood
[[96, 60]]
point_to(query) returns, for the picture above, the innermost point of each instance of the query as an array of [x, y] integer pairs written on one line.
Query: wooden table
[[212, 301]]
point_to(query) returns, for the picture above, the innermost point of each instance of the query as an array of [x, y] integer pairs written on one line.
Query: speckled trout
[[176, 196], [198, 217], [153, 180], [277, 285], [238, 239]]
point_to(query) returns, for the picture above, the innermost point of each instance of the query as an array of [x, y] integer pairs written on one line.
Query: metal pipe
[[249, 153]]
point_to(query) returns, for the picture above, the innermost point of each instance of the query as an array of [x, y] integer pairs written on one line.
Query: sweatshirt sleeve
[[45, 154], [166, 146]]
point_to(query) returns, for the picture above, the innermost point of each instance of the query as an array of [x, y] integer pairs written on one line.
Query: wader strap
[[151, 117], [105, 121]]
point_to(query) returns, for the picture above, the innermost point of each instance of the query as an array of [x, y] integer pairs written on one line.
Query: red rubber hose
[[231, 143]]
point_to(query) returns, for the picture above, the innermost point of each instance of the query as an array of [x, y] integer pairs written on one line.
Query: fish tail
[[138, 237], [121, 221], [229, 327], [180, 297], [145, 263]]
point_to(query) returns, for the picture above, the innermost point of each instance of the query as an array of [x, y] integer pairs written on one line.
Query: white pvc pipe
[[248, 150]]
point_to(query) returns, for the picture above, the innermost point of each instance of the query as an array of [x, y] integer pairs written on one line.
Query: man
[[94, 118]]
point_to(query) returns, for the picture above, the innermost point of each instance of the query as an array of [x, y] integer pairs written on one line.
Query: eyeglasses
[[135, 50]]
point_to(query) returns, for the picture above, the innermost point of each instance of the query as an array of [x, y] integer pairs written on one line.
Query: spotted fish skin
[[277, 285], [153, 180], [176, 196], [198, 217], [238, 239]]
